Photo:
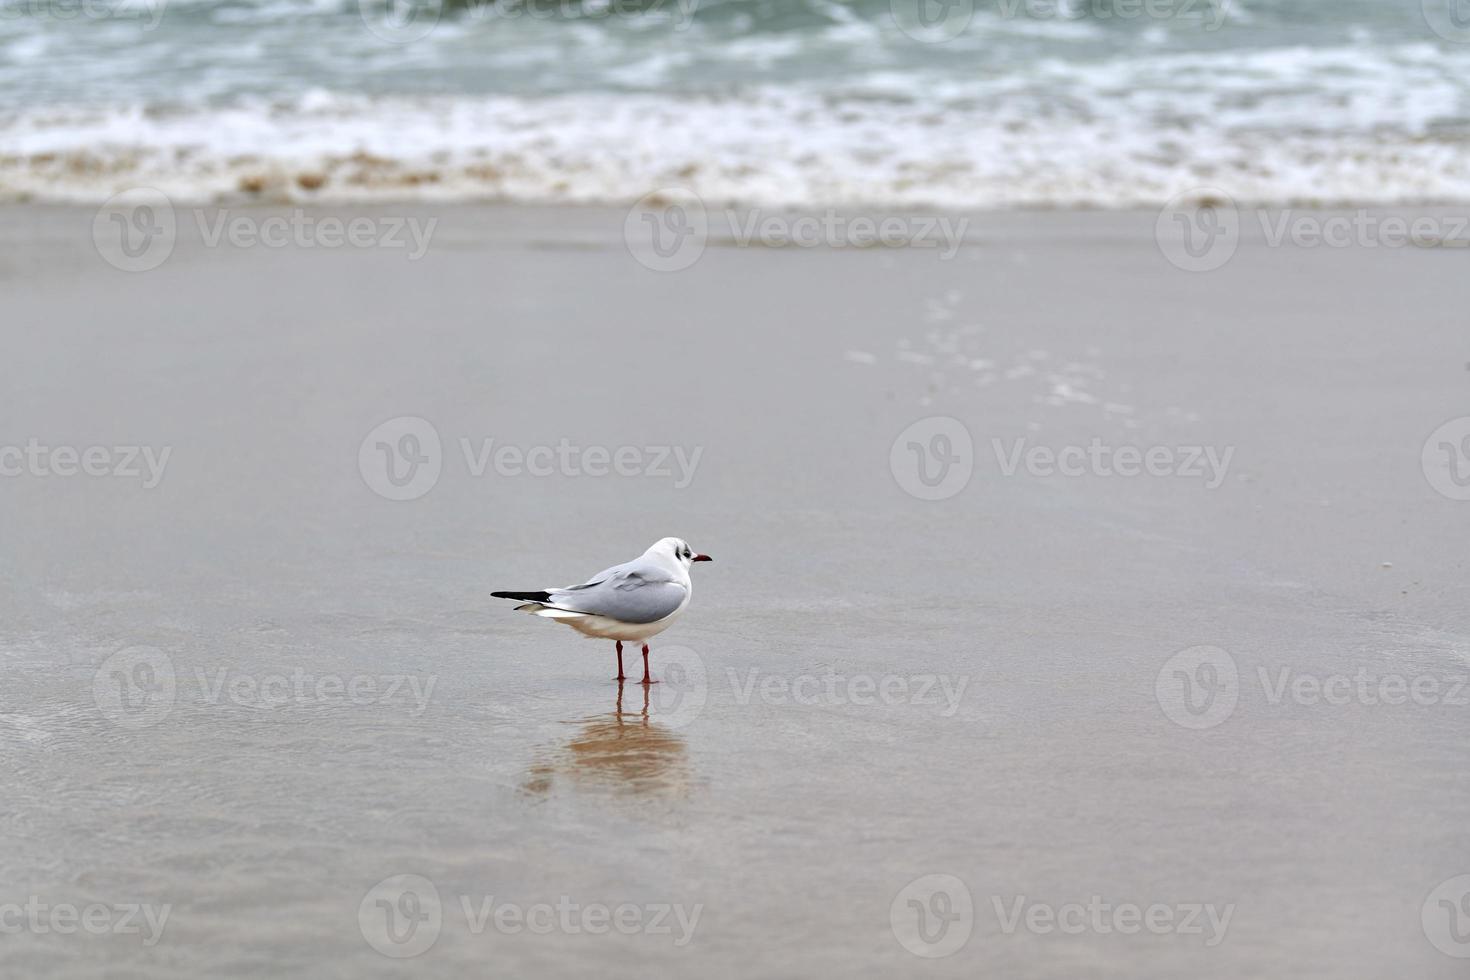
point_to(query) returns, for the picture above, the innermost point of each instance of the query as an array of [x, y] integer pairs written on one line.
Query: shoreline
[[1194, 193], [142, 231]]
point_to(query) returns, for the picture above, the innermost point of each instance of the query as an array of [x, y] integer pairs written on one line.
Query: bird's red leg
[[646, 678], [620, 661]]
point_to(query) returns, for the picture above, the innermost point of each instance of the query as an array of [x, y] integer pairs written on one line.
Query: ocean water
[[947, 103]]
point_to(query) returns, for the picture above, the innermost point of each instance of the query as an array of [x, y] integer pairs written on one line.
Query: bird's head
[[677, 550]]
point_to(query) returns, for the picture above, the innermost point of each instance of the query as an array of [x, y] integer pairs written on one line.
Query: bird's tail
[[538, 604], [524, 596]]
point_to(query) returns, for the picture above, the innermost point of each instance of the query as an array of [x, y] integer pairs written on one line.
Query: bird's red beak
[[701, 558]]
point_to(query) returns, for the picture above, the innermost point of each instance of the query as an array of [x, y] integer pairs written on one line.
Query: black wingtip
[[524, 596]]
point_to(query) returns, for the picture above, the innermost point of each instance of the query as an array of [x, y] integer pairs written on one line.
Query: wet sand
[[260, 688]]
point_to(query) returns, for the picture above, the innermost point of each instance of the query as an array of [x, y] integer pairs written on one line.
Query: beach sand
[[315, 692]]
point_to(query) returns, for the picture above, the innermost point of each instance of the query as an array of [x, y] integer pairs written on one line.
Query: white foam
[[1278, 126]]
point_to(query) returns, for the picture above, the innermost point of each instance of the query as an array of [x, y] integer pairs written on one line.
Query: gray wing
[[634, 592]]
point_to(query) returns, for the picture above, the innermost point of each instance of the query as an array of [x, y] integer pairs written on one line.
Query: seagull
[[632, 601]]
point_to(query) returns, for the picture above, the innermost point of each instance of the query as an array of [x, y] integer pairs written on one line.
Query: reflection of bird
[[622, 751], [632, 601]]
